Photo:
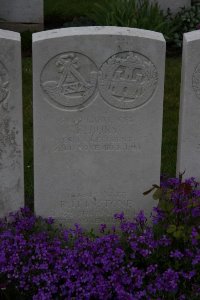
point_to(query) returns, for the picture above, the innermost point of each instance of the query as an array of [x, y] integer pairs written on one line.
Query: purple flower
[[102, 228], [135, 260], [176, 254], [196, 259], [188, 275], [140, 218], [194, 236], [119, 216], [50, 220]]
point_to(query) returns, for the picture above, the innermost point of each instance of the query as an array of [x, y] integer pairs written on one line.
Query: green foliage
[[26, 40], [171, 115], [78, 22], [28, 129], [62, 11], [127, 13], [186, 20], [176, 231], [132, 13], [180, 207]]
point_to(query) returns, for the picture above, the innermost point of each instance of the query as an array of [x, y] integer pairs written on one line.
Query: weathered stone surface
[[22, 11], [21, 15], [173, 5], [98, 99], [11, 140], [188, 159]]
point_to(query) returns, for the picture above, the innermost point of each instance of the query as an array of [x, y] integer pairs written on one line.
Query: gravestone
[[21, 15], [188, 159], [98, 101], [11, 140], [173, 5]]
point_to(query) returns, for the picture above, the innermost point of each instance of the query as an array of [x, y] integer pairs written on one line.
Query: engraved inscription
[[99, 205], [69, 80], [127, 80], [97, 119], [196, 81], [85, 136], [68, 143], [4, 83]]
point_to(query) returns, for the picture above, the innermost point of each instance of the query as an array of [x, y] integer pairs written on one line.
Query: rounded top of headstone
[[10, 35], [98, 30], [192, 36]]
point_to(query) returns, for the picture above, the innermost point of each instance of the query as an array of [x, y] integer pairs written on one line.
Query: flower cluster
[[140, 259]]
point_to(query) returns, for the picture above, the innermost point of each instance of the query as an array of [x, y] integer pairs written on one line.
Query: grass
[[61, 11], [171, 115], [28, 129], [170, 121]]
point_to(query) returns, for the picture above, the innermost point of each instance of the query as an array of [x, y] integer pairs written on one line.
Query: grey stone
[[21, 15], [188, 158], [21, 27], [98, 100], [11, 140], [173, 5]]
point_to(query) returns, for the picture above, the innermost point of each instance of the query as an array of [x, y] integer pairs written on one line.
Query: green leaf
[[178, 234], [157, 194], [171, 228], [165, 205]]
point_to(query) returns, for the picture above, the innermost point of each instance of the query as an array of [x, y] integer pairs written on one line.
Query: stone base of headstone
[[21, 27], [21, 15]]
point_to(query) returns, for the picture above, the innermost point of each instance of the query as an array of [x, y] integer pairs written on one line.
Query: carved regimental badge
[[196, 81], [69, 80], [4, 83], [127, 80]]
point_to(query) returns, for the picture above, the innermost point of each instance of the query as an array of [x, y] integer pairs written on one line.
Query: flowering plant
[[140, 259]]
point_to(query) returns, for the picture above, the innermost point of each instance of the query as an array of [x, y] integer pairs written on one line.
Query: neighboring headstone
[[98, 102], [189, 120], [11, 140], [21, 15], [173, 5]]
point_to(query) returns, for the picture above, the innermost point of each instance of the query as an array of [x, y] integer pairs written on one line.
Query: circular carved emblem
[[4, 83], [127, 80], [69, 80], [196, 81]]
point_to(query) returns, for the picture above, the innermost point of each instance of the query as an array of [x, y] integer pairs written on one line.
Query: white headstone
[[189, 120], [21, 14], [173, 5], [98, 101], [11, 140]]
